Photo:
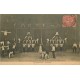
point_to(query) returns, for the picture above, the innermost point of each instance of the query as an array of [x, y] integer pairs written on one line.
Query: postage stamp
[[69, 20]]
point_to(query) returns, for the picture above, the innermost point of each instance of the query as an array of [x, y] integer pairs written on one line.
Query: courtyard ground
[[65, 56]]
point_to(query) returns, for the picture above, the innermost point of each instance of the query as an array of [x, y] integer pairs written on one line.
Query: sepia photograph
[[40, 38]]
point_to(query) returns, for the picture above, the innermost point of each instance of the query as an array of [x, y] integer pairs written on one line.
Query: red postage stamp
[[69, 21]]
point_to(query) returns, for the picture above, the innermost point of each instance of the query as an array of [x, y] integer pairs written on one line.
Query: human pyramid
[[28, 44]]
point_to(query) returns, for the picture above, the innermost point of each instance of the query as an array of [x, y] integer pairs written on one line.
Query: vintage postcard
[[39, 39]]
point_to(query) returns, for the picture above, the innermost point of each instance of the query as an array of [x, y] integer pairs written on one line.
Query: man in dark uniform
[[47, 48]]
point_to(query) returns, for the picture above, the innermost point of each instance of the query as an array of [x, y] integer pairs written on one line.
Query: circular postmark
[[69, 21]]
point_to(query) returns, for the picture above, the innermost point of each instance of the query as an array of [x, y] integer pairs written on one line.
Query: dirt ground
[[35, 57]]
